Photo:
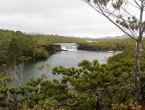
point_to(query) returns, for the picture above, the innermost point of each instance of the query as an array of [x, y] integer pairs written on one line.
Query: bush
[[41, 54]]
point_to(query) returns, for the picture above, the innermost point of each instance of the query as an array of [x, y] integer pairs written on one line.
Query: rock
[[52, 48]]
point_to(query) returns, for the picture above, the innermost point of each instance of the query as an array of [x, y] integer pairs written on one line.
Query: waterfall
[[68, 46]]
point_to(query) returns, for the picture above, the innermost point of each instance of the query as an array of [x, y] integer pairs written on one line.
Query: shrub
[[41, 54]]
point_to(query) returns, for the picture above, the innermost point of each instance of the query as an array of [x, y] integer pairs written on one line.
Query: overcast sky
[[61, 17]]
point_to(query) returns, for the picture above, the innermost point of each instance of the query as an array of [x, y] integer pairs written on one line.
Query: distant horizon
[[60, 35], [72, 36]]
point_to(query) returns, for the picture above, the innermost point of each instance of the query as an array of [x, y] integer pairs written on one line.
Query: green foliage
[[34, 93], [25, 43], [129, 105], [41, 54], [89, 76], [77, 88], [49, 39], [14, 50], [4, 79], [82, 82], [131, 22], [47, 104], [30, 44], [143, 87], [107, 45]]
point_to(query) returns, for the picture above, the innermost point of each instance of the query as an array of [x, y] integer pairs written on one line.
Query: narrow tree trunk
[[138, 55], [137, 71], [15, 73]]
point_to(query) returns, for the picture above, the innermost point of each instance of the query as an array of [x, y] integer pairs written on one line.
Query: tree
[[14, 54], [127, 15], [37, 94], [14, 51], [89, 82]]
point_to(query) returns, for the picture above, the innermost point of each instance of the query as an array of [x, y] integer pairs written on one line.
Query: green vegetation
[[107, 45], [26, 43], [14, 50], [32, 46], [90, 86], [49, 39]]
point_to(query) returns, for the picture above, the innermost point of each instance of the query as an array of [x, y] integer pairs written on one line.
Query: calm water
[[65, 58]]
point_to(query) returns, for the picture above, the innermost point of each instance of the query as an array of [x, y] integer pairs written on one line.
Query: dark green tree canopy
[[14, 50]]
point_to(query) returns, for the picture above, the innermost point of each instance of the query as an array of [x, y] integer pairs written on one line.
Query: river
[[65, 58]]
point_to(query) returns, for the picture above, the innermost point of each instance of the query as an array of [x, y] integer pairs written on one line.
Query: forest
[[90, 86]]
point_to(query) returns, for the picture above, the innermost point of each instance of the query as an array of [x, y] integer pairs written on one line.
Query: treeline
[[34, 46], [30, 44], [107, 45], [49, 39]]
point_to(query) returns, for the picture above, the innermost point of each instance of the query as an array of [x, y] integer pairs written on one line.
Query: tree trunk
[[137, 71], [15, 73]]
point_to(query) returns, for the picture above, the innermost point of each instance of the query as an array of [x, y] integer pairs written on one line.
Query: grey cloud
[[62, 17]]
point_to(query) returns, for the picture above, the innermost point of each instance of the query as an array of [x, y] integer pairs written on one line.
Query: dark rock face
[[52, 48], [81, 47], [84, 47]]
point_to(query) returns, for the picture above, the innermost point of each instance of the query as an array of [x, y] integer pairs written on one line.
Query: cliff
[[52, 48]]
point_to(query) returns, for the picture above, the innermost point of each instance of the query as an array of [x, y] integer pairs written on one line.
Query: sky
[[58, 17]]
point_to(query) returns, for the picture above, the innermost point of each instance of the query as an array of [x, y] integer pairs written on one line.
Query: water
[[64, 58]]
